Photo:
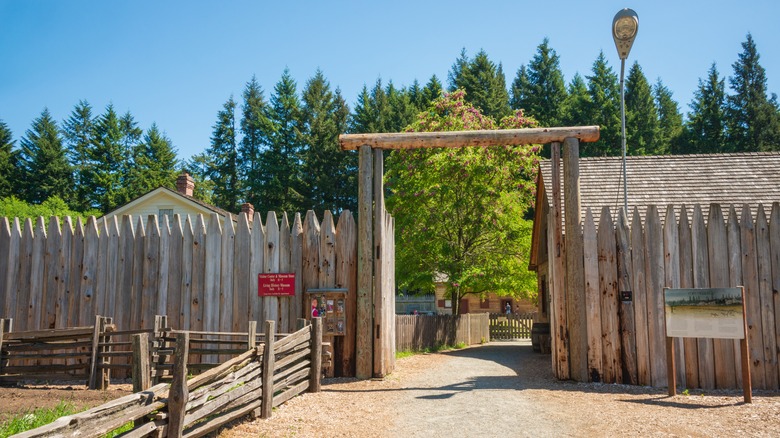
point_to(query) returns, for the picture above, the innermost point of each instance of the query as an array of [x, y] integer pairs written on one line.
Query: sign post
[[717, 313]]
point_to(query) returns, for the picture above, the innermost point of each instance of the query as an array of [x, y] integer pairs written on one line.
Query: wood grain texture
[[717, 246], [625, 308], [457, 139], [690, 345], [701, 278], [752, 299], [610, 338], [654, 277], [672, 279], [365, 297], [592, 297], [764, 259]]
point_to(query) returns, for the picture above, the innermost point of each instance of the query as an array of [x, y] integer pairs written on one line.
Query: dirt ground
[[499, 389]]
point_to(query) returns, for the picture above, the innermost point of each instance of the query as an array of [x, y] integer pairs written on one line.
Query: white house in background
[[163, 201]]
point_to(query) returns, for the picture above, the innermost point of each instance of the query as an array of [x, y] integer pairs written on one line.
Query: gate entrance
[[376, 243]]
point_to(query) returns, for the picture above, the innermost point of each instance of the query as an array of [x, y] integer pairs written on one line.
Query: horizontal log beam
[[456, 139]]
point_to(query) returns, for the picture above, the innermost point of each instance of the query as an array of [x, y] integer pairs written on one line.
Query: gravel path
[[475, 393], [505, 389]]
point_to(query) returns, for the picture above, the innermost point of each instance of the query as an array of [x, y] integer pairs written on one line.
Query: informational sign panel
[[704, 313], [330, 305], [276, 285]]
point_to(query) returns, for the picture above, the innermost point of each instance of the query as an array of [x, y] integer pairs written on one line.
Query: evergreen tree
[[279, 177], [669, 119], [198, 166], [223, 159], [520, 87], [641, 115], [44, 167], [107, 163], [483, 82], [8, 162], [754, 122], [154, 163], [432, 91], [329, 174], [256, 130], [401, 110], [705, 130], [363, 120], [604, 109], [131, 139], [577, 103], [540, 90], [80, 137]]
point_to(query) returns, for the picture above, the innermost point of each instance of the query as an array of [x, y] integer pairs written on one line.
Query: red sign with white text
[[276, 285]]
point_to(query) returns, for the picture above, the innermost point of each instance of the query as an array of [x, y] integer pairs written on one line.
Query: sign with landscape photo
[[705, 313]]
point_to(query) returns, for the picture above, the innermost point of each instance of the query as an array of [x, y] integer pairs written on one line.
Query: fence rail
[[254, 382], [418, 332], [511, 326]]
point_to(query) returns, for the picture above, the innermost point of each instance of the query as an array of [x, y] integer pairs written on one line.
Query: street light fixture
[[624, 29]]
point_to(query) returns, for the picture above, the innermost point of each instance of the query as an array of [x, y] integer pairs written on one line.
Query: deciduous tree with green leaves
[[459, 212]]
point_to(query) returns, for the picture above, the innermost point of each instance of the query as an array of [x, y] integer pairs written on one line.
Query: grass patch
[[435, 349], [31, 419]]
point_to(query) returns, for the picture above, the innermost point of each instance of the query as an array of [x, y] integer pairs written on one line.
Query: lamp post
[[624, 28]]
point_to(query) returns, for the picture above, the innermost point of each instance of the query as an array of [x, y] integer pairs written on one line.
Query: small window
[[484, 304], [165, 212]]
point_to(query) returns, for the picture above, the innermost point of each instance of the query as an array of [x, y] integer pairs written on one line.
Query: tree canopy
[[459, 212]]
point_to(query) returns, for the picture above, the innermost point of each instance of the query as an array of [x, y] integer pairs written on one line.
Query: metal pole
[[623, 130]]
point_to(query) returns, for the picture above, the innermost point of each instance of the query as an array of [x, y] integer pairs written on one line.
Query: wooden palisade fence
[[251, 383], [626, 339], [59, 274], [418, 332]]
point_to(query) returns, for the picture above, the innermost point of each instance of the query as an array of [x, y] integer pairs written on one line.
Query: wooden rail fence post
[[267, 401], [252, 335], [179, 393], [141, 367], [93, 366], [6, 325], [316, 355], [365, 298]]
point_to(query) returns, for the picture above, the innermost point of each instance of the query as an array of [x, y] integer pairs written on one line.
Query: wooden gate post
[[179, 393], [267, 375], [141, 367], [575, 268], [364, 344], [315, 377]]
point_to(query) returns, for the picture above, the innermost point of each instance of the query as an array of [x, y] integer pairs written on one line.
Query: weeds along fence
[[626, 339], [60, 274], [252, 383], [511, 326], [418, 332]]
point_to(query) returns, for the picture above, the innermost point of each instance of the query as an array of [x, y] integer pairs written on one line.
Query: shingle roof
[[726, 179]]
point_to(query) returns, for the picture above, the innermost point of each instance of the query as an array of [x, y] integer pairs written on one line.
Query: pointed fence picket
[[61, 273], [739, 246]]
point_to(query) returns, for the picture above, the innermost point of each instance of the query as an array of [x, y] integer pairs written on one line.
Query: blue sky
[[176, 62]]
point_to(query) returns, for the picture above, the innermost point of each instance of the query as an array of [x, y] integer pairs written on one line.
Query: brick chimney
[[249, 209], [185, 184]]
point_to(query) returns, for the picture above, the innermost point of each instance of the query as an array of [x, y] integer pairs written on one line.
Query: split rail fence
[[626, 339], [60, 274], [418, 332], [511, 326], [252, 383]]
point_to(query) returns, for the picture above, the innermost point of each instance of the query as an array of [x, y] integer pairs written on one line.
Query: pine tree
[[8, 162], [279, 177], [131, 139], [154, 163], [577, 103], [604, 109], [256, 130], [669, 119], [540, 90], [329, 174], [45, 171], [363, 120], [223, 159], [80, 137], [641, 115], [483, 82], [705, 130], [754, 122], [432, 91], [107, 163]]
